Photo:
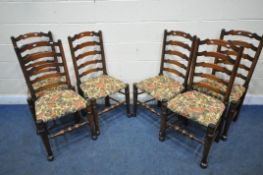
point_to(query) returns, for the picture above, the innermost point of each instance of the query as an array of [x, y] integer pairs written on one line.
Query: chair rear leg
[[210, 135], [95, 115], [90, 117], [31, 107], [238, 109], [107, 101], [228, 122], [127, 99], [163, 123], [42, 131], [135, 98]]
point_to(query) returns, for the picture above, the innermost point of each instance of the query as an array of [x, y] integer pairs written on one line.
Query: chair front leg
[[107, 101], [90, 117], [209, 138], [93, 104], [42, 131], [127, 99], [135, 98], [163, 123]]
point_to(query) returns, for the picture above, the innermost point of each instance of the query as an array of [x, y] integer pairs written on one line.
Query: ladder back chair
[[27, 43], [51, 94], [200, 107], [93, 81], [252, 44], [176, 59]]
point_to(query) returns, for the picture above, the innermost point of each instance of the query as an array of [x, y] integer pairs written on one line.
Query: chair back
[[177, 53]]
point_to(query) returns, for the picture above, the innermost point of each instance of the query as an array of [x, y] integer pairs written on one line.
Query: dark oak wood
[[82, 60], [43, 65]]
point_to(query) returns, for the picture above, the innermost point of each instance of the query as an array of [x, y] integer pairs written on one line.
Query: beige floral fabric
[[235, 95], [101, 86], [161, 87], [57, 103], [197, 106], [48, 81]]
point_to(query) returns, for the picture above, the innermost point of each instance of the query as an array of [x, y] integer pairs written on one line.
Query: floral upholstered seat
[[49, 81], [197, 106], [101, 86], [161, 87], [58, 103], [236, 93]]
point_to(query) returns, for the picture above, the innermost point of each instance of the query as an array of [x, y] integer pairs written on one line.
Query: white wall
[[133, 31]]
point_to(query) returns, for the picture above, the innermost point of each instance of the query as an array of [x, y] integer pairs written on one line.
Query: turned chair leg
[[135, 98], [163, 123], [95, 115], [90, 117], [42, 131], [127, 99], [228, 117], [238, 109], [209, 138], [107, 101]]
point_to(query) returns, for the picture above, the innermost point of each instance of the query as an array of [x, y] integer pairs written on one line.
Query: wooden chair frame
[[145, 104], [236, 107], [213, 132], [31, 66], [103, 69]]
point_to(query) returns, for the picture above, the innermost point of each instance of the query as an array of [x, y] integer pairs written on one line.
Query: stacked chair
[[51, 95], [202, 108], [200, 81], [252, 44], [93, 81], [176, 57]]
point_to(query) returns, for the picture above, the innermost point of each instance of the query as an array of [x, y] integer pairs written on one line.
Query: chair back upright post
[[178, 53]]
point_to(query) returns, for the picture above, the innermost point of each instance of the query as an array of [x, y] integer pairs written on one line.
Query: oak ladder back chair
[[26, 42], [176, 59], [93, 81], [200, 107], [252, 44], [51, 94]]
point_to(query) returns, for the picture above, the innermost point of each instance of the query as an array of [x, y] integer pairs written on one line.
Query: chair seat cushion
[[101, 86], [48, 81], [198, 107], [161, 87], [55, 104], [235, 95]]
